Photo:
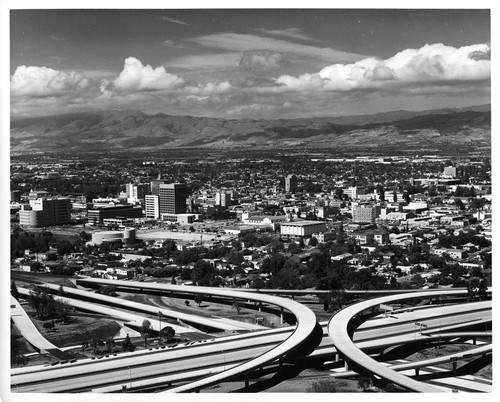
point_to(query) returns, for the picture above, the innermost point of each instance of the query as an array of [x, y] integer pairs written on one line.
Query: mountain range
[[134, 130]]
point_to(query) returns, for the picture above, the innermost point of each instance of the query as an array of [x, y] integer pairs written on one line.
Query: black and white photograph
[[271, 198]]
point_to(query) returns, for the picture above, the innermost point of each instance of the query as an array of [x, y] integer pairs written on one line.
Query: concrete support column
[[281, 315], [417, 371], [247, 379]]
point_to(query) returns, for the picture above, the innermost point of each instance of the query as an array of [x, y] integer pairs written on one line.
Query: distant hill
[[121, 130]]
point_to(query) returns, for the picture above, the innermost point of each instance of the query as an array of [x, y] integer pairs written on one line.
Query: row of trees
[[46, 307], [167, 332]]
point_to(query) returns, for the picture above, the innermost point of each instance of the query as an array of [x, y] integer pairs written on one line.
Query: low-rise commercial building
[[302, 228], [97, 215]]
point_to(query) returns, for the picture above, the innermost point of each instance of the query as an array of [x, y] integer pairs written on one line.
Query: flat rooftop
[[303, 223]]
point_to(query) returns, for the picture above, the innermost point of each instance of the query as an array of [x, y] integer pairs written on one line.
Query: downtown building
[[98, 215], [42, 212], [152, 206], [291, 183], [172, 202], [136, 192], [223, 199], [365, 213], [302, 228]]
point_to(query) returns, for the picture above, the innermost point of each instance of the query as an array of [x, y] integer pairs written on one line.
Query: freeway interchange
[[357, 337]]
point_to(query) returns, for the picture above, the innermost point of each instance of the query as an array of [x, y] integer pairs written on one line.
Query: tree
[[85, 236], [198, 299], [477, 287], [145, 331], [14, 291], [417, 281], [48, 325], [168, 333], [39, 299], [62, 311], [109, 344], [294, 248], [95, 344], [65, 246], [458, 202], [237, 306], [127, 345], [313, 242], [203, 273]]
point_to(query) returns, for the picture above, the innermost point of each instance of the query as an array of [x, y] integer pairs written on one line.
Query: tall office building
[[173, 198], [152, 207], [46, 212], [291, 183], [155, 186], [223, 199], [136, 191]]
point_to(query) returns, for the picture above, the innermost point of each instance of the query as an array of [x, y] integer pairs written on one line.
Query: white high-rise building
[[152, 207], [136, 192], [223, 199]]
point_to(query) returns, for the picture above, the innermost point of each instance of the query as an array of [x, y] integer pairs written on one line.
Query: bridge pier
[[417, 371], [281, 315], [247, 379]]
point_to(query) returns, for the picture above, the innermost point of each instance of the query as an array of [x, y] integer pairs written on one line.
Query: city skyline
[[253, 63]]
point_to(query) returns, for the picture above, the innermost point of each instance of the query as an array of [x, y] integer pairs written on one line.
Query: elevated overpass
[[186, 362], [343, 323]]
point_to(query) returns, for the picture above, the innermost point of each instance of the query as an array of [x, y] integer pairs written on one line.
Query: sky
[[248, 63]]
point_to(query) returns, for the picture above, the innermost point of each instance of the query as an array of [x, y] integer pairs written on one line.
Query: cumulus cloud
[[42, 81], [429, 65], [210, 88], [136, 76], [260, 61]]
